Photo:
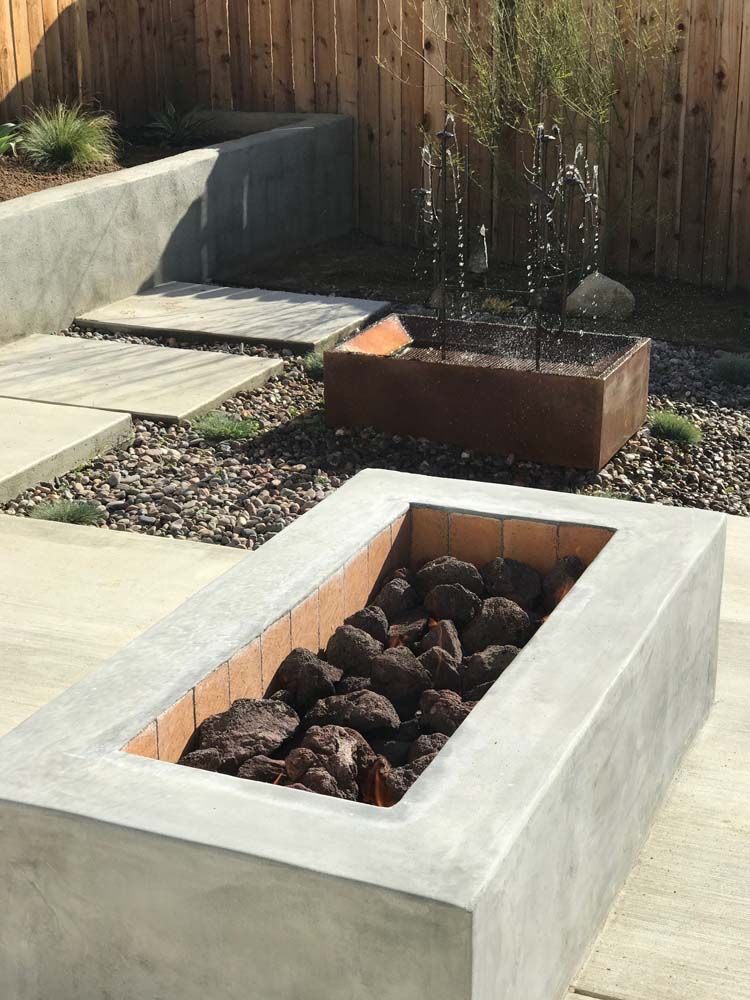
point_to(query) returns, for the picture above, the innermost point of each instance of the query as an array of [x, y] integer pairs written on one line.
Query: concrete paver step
[[39, 441], [158, 382], [310, 322]]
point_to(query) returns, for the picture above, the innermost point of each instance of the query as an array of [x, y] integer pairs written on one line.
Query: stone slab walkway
[[39, 441], [287, 319], [157, 382], [680, 929], [71, 596]]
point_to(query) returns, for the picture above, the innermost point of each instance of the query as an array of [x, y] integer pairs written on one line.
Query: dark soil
[[359, 267], [18, 177]]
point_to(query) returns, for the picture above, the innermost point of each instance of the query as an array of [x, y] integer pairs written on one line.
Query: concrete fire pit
[[129, 876], [577, 407]]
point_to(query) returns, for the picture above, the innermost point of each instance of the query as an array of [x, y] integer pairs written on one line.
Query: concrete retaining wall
[[81, 245]]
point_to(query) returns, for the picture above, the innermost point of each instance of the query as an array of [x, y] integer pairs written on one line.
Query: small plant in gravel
[[734, 370], [671, 426], [68, 511], [220, 426], [9, 139], [313, 365], [66, 135], [177, 129]]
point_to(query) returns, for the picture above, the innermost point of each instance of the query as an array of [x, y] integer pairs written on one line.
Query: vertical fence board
[[10, 100], [283, 67], [52, 49], [35, 22], [412, 87], [303, 55], [390, 121], [22, 46], [239, 46], [220, 73], [325, 56], [202, 54], [697, 139], [347, 55], [368, 111], [261, 58], [715, 251], [739, 228]]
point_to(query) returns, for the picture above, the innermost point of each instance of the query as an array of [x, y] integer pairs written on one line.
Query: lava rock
[[347, 685], [249, 728], [560, 580], [443, 711], [371, 620], [352, 650], [500, 622], [332, 760], [364, 711], [397, 598], [306, 678], [204, 760], [448, 569], [426, 746], [476, 694], [262, 768], [444, 635], [408, 629], [443, 668], [487, 666], [512, 579], [452, 601], [390, 784], [395, 752], [399, 675], [409, 730]]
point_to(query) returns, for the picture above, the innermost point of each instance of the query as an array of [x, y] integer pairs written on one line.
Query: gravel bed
[[171, 482]]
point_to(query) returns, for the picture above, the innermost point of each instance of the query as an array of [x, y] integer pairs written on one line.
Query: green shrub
[[735, 370], [9, 139], [313, 365], [66, 135], [176, 129], [671, 426], [69, 511], [220, 426]]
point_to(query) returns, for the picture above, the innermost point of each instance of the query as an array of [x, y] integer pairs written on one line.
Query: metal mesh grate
[[514, 348]]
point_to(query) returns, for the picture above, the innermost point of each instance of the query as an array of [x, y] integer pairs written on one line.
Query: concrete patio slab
[[71, 596], [306, 322], [39, 441], [680, 928], [157, 382]]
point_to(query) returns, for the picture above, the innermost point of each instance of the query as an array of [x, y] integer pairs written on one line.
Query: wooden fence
[[679, 173]]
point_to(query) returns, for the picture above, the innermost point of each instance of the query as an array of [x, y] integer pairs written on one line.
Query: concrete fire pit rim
[[65, 761]]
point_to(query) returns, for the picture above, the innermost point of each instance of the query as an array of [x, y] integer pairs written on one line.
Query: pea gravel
[[241, 493]]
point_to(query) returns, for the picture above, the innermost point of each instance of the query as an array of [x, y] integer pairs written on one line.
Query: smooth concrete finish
[[158, 382], [128, 876], [284, 319], [188, 217], [39, 441], [71, 596], [680, 928]]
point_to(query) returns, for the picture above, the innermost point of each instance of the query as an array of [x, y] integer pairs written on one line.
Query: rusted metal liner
[[494, 401]]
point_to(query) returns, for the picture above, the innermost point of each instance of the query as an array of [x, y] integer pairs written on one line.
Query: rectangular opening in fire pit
[[355, 691], [568, 398]]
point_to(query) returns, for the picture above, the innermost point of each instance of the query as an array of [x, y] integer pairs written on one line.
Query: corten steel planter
[[588, 396]]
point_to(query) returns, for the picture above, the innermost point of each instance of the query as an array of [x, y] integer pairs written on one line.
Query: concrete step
[[304, 322], [71, 596], [39, 441], [157, 382]]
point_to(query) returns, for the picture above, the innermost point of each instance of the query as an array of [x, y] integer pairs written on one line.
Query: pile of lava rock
[[366, 718]]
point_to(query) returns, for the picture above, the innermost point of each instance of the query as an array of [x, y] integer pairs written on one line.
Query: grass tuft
[[220, 426], [735, 370], [177, 129], [313, 365], [66, 135], [670, 426], [69, 512]]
